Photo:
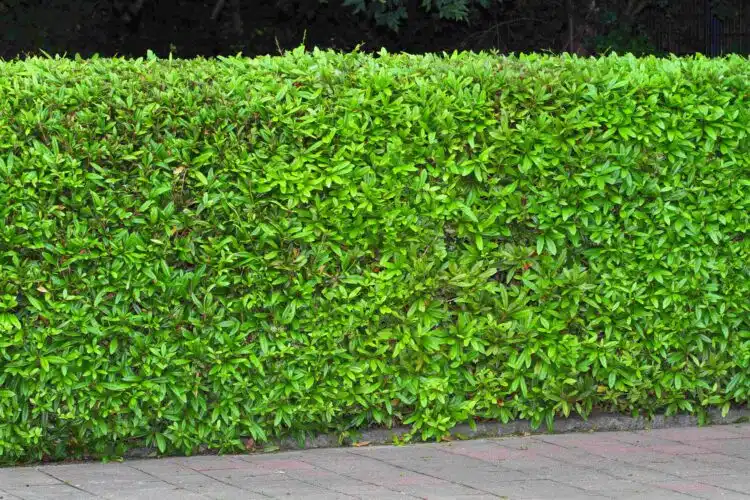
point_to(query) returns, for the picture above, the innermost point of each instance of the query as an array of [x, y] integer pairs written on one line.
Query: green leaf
[[202, 178], [289, 311], [468, 212], [161, 442], [550, 245]]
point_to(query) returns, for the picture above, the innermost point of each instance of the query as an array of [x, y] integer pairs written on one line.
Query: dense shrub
[[194, 252]]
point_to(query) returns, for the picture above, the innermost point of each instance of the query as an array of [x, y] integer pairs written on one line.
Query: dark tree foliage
[[188, 28]]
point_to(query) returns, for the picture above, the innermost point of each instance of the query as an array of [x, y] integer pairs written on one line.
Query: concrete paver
[[20, 477], [708, 462], [47, 491]]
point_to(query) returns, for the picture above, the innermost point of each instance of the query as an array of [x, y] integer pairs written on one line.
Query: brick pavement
[[709, 462]]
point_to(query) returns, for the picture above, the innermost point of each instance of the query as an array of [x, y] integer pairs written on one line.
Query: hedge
[[211, 254]]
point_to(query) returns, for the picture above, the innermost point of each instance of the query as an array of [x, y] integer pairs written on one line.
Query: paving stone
[[71, 473], [174, 473], [727, 463], [344, 485], [348, 464], [608, 486], [278, 465], [463, 497], [205, 463], [387, 495], [24, 476], [569, 455], [538, 489], [518, 443], [689, 434], [695, 488], [154, 490], [473, 476], [544, 468], [643, 439], [573, 474], [427, 486], [738, 483], [282, 486], [579, 439], [407, 453], [162, 468], [623, 451], [219, 491], [49, 492], [639, 473], [643, 457], [392, 477], [103, 479], [665, 446], [687, 467], [378, 492], [236, 477], [275, 484], [325, 496], [435, 461], [260, 458], [609, 435], [534, 461], [741, 429], [652, 494], [738, 447], [530, 443], [195, 480], [487, 451], [661, 464], [158, 493], [458, 469]]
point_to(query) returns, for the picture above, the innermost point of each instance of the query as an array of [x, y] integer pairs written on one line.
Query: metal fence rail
[[700, 26]]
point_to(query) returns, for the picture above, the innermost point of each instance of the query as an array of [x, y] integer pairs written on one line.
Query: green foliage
[[193, 252], [621, 37]]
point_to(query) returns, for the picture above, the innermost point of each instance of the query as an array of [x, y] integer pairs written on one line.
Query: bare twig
[[635, 7], [133, 10], [217, 9], [516, 20], [495, 28], [640, 7], [571, 27], [237, 17]]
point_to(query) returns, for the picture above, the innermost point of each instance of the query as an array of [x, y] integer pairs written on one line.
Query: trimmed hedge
[[197, 252]]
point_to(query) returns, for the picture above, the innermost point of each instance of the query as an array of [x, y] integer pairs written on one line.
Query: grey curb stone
[[602, 422]]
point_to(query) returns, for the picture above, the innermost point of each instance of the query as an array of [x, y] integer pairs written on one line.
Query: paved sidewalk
[[710, 462]]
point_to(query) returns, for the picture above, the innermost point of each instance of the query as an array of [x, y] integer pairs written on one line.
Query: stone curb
[[602, 422]]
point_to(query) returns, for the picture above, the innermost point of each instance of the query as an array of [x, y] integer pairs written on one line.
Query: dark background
[[186, 27]]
